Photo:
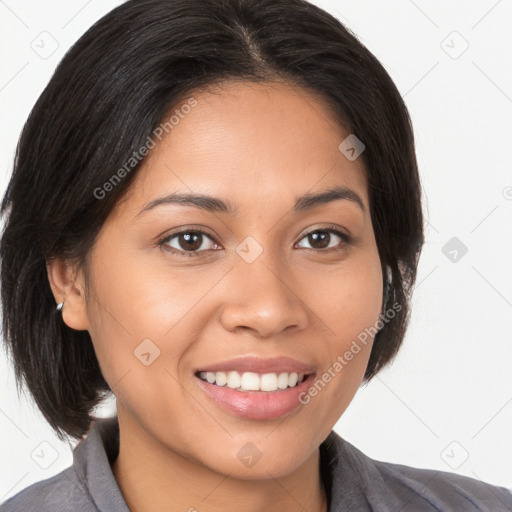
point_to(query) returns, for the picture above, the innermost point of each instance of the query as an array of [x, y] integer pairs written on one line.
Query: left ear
[[68, 286]]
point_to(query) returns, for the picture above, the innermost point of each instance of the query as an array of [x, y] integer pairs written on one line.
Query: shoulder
[[60, 493], [390, 486], [88, 485], [442, 490]]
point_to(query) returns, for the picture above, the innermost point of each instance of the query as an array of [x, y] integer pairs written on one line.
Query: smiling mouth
[[251, 381]]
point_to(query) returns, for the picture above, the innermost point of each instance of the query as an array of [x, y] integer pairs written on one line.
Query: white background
[[446, 401]]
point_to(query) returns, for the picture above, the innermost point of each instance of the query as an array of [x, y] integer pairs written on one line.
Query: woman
[[215, 214]]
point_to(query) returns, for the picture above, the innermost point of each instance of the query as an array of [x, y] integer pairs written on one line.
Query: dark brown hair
[[111, 91]]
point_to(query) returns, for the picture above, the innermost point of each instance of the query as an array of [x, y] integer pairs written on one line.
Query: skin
[[258, 146]]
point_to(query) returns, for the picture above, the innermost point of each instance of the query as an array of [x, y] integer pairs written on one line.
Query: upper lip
[[259, 365]]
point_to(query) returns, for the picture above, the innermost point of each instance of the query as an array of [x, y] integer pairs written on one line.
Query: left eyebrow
[[309, 201], [217, 205]]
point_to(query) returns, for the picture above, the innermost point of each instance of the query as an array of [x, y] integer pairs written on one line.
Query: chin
[[254, 458]]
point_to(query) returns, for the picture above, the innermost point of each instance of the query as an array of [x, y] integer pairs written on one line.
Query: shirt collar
[[352, 480], [92, 459]]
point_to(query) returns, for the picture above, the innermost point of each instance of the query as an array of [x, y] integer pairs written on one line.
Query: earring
[[60, 306]]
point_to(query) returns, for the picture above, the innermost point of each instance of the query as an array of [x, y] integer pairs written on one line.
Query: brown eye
[[190, 243], [321, 239]]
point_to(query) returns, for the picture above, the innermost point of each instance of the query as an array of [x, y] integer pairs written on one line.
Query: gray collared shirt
[[353, 482]]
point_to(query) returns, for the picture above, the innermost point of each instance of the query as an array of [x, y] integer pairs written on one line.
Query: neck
[[154, 478]]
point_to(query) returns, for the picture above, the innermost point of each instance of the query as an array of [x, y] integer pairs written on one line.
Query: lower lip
[[256, 405]]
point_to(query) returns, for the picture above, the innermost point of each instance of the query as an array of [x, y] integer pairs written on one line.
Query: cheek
[[134, 300], [348, 300], [144, 319]]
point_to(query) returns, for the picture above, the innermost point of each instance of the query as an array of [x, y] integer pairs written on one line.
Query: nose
[[264, 299]]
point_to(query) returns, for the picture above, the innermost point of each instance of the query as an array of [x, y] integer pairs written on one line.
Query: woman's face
[[251, 291]]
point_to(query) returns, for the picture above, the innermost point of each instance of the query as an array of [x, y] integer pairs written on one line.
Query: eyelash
[[330, 229]]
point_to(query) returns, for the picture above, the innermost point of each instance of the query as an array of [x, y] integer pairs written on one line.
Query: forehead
[[250, 143]]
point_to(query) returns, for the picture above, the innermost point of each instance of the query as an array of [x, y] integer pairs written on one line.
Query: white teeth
[[282, 381], [268, 382], [233, 380], [220, 378], [250, 381]]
